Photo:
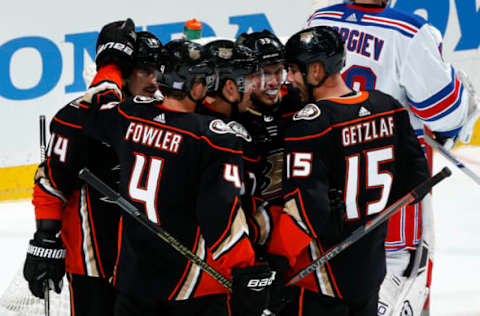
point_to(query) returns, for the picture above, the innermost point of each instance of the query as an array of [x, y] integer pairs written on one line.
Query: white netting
[[18, 301]]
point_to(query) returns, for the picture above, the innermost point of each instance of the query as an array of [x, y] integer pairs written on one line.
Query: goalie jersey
[[400, 54], [183, 171], [364, 145]]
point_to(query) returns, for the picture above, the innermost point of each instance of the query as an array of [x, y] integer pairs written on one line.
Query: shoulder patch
[[143, 99], [220, 127], [309, 112]]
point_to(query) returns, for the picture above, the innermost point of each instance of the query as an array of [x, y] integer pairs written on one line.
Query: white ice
[[456, 276]]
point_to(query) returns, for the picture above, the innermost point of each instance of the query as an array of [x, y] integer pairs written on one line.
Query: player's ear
[[199, 90], [315, 73]]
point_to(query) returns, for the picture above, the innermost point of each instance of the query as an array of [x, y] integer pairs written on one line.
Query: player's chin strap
[[313, 86]]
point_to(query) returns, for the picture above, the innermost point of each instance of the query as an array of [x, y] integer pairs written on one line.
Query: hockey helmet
[[234, 62], [320, 44], [268, 48], [182, 63], [148, 49]]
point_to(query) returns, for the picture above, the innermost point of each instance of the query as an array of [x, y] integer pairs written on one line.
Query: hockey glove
[[448, 142], [280, 295], [115, 44], [45, 263], [336, 220], [251, 290]]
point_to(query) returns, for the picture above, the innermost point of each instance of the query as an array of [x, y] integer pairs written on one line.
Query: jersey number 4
[[148, 193]]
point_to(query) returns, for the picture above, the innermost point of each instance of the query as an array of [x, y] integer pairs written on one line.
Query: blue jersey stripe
[[447, 90], [450, 109], [391, 27]]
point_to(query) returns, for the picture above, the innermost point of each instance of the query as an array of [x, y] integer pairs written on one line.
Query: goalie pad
[[406, 286]]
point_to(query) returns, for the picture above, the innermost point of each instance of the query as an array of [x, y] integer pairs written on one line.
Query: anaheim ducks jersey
[[364, 145], [89, 223], [183, 171]]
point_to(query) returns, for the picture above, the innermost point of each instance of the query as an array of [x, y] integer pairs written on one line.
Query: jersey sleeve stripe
[[437, 97], [67, 124], [443, 107], [290, 139]]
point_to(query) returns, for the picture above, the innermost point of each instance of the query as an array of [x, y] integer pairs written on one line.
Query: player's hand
[[336, 220], [45, 263], [280, 295], [115, 44], [251, 290]]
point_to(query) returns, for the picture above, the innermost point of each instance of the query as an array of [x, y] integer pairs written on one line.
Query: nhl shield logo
[[309, 112]]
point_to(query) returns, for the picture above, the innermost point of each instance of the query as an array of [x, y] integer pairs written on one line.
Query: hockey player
[[359, 143], [401, 54], [183, 170], [87, 223]]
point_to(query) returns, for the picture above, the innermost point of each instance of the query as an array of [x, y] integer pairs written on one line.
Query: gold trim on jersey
[[237, 230], [321, 273], [194, 272], [88, 247]]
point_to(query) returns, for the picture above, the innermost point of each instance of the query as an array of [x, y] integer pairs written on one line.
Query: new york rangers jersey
[[400, 54]]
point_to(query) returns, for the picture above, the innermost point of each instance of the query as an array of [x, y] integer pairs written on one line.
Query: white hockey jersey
[[400, 54]]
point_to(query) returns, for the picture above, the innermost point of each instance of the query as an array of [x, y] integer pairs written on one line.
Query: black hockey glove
[[251, 290], [336, 220], [115, 44], [280, 295], [45, 261]]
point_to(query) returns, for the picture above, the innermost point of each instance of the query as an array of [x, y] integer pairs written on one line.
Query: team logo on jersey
[[309, 112], [220, 127], [142, 99]]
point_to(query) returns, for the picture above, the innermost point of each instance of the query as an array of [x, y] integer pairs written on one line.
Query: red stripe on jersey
[[439, 107], [388, 21], [299, 195], [230, 218], [119, 247], [257, 159], [368, 117], [290, 139], [130, 117], [68, 124], [364, 9], [47, 206], [72, 297]]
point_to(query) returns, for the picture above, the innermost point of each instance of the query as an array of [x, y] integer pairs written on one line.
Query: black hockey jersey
[[89, 223], [364, 145], [183, 170]]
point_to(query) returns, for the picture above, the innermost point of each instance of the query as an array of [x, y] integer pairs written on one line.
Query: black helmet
[[268, 48], [148, 49], [231, 61], [182, 63], [316, 44]]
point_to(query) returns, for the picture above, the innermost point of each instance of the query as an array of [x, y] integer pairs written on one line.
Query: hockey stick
[[447, 154], [131, 210], [43, 142], [418, 192]]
